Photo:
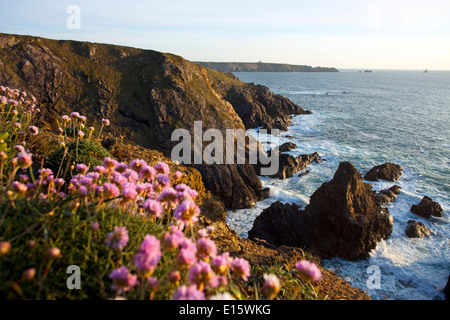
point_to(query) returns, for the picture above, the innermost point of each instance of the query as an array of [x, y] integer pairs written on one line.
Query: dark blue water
[[369, 119]]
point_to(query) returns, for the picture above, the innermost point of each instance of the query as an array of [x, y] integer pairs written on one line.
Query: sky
[[367, 34]]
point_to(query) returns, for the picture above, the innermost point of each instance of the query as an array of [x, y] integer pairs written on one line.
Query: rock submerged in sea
[[386, 171], [427, 208], [415, 229], [343, 219]]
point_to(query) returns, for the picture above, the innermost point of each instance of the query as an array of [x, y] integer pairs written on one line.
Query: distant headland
[[262, 67]]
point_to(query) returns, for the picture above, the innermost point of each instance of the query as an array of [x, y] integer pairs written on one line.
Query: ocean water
[[368, 119]]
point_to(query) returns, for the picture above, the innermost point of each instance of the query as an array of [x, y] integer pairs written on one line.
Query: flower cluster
[[17, 111], [172, 261]]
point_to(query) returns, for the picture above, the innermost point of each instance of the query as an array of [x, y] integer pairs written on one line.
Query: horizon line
[[194, 61]]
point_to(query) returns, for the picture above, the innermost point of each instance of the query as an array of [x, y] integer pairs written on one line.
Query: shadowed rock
[[389, 195], [415, 229], [343, 219], [427, 208], [387, 171]]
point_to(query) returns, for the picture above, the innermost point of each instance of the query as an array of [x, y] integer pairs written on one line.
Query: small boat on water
[[426, 71]]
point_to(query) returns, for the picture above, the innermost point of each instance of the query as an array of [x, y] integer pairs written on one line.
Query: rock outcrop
[[237, 186], [343, 219], [287, 146], [289, 165], [279, 225], [415, 229], [427, 208], [256, 105], [389, 195], [386, 171]]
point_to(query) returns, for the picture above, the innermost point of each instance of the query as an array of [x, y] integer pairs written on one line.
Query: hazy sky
[[376, 34]]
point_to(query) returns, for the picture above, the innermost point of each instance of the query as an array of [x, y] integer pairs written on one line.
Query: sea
[[369, 118]]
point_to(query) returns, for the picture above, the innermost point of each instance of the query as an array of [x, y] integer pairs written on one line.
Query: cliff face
[[263, 67], [146, 95]]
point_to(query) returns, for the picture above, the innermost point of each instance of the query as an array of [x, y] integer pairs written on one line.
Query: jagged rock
[[387, 171], [258, 107], [237, 186], [427, 208], [289, 165], [263, 193], [389, 195], [287, 146], [279, 225], [415, 229], [343, 219]]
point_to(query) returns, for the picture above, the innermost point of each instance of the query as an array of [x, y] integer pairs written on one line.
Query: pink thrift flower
[[148, 256], [271, 285], [82, 168], [82, 192], [118, 239], [187, 212], [188, 293], [206, 248], [221, 263], [137, 164], [241, 268], [129, 192], [174, 276], [152, 208], [153, 284], [123, 280], [186, 257], [121, 167], [75, 115], [202, 275], [168, 195], [100, 169], [19, 187], [172, 240], [148, 172], [162, 167], [110, 190], [105, 122], [44, 172], [308, 271], [163, 180], [24, 159], [177, 175], [109, 163]]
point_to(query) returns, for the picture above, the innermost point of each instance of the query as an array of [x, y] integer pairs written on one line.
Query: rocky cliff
[[263, 67], [146, 95]]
